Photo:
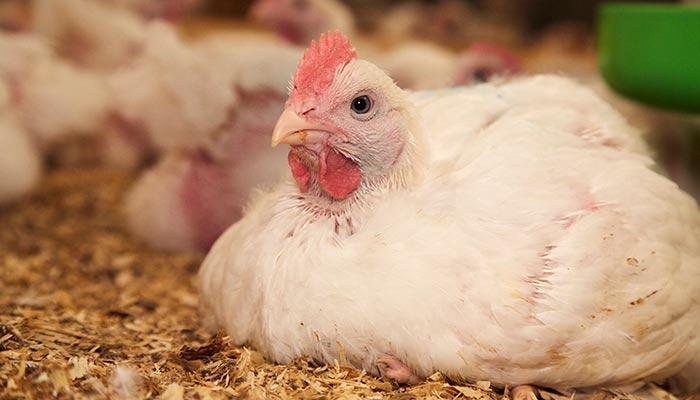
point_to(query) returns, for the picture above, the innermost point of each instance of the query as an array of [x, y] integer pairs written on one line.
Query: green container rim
[[646, 70]]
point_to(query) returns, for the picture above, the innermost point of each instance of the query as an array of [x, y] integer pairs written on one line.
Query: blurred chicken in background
[[20, 163], [52, 99], [208, 108], [93, 34], [167, 97], [45, 102], [414, 64], [102, 34]]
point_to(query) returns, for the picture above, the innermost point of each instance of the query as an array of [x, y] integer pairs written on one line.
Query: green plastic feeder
[[651, 53]]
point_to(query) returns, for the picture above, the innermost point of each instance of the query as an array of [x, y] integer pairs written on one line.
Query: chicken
[[53, 99], [168, 97], [178, 95], [93, 34], [61, 100], [215, 156], [20, 162], [23, 51], [102, 34], [529, 254]]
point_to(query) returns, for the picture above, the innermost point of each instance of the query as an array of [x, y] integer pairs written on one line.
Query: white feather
[[52, 98], [179, 97], [60, 100], [125, 382], [20, 162], [95, 34]]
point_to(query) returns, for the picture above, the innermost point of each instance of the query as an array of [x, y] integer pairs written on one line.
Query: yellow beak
[[294, 130]]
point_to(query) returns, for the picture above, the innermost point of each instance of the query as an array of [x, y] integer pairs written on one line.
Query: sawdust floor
[[85, 311]]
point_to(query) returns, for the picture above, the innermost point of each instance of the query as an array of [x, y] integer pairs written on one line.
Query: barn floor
[[86, 312]]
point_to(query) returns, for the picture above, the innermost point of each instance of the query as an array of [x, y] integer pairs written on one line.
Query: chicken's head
[[348, 124], [300, 21]]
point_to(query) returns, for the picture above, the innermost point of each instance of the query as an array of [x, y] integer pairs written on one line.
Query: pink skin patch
[[392, 368], [318, 67], [204, 199]]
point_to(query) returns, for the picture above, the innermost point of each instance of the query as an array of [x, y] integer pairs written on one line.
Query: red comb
[[510, 60], [320, 62]]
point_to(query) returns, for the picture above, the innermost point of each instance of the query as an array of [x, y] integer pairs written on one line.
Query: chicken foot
[[394, 369], [523, 392]]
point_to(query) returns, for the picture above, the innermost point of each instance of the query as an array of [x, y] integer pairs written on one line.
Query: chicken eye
[[361, 104]]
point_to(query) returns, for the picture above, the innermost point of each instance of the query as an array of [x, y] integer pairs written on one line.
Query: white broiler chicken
[[94, 34], [168, 97], [20, 162], [531, 253], [204, 180], [52, 98]]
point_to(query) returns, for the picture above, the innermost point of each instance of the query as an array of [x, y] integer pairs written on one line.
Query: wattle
[[338, 176]]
